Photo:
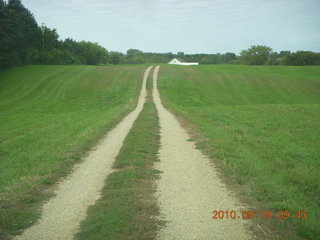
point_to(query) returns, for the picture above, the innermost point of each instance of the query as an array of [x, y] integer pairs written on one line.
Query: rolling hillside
[[50, 116], [262, 126]]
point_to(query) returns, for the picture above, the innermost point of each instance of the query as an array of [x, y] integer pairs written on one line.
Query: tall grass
[[262, 123]]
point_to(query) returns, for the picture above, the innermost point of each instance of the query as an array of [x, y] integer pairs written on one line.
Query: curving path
[[63, 213], [189, 188]]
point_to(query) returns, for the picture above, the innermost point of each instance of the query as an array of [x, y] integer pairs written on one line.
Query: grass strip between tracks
[[127, 207]]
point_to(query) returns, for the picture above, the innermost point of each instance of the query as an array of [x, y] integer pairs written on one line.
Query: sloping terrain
[[261, 125], [50, 116], [189, 188], [62, 215]]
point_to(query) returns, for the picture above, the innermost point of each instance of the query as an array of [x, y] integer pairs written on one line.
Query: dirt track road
[[62, 215], [189, 188]]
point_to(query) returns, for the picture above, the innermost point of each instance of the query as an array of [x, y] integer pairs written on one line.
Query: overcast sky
[[191, 26]]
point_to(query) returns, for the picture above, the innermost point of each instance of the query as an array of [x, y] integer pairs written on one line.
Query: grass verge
[[127, 207], [260, 124], [50, 116]]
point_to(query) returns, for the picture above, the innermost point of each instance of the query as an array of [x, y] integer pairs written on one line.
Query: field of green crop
[[49, 117], [262, 125]]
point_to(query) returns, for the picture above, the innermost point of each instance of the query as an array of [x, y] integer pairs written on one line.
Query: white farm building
[[179, 61]]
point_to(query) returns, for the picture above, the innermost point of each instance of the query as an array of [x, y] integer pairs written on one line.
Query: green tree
[[274, 59], [114, 57], [25, 30], [22, 41], [228, 57], [7, 55], [302, 58], [255, 55], [284, 53], [180, 55], [134, 53], [92, 53], [50, 38]]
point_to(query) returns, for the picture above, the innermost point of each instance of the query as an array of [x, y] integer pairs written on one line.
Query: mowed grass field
[[49, 117], [261, 124]]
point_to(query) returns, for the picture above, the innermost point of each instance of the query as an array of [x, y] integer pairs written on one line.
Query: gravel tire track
[[189, 188], [61, 215]]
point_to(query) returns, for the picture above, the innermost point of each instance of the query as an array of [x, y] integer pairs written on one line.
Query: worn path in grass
[[189, 188], [62, 214]]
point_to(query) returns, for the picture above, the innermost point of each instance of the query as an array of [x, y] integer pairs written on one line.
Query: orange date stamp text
[[250, 214]]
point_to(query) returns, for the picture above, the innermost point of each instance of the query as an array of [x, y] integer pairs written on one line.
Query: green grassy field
[[49, 117], [261, 124]]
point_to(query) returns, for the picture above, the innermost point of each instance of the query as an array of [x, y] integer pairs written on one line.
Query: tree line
[[263, 55], [135, 56], [255, 55], [23, 41]]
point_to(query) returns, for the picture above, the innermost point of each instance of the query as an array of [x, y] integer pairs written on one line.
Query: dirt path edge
[[62, 214], [189, 188]]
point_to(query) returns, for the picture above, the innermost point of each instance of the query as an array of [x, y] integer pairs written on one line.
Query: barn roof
[[180, 60]]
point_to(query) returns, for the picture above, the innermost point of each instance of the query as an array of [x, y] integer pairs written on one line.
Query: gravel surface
[[63, 213], [189, 188]]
